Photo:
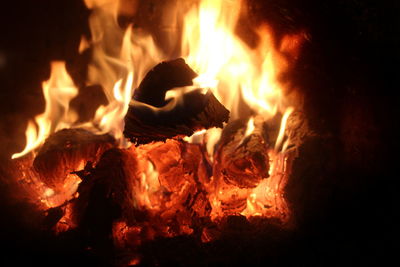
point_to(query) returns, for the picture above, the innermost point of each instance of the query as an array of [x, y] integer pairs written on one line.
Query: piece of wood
[[105, 195], [162, 78], [65, 151], [149, 119], [179, 199], [242, 160], [199, 111], [168, 161], [181, 168]]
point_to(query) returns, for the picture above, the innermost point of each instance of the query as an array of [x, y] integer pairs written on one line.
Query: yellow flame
[[283, 128], [212, 137], [226, 64], [250, 127], [121, 58], [110, 118], [196, 137], [57, 91], [146, 188]]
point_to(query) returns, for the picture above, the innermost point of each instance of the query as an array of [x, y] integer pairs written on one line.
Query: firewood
[[149, 120], [168, 161], [65, 151], [52, 216], [180, 169], [105, 195], [178, 162], [194, 159], [241, 160]]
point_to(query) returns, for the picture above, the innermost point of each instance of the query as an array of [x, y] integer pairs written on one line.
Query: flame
[[121, 57], [280, 137], [148, 184], [110, 118], [233, 71], [196, 137], [211, 139], [57, 91], [227, 64], [250, 127]]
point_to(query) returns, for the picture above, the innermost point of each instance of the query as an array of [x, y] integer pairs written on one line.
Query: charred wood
[[162, 78], [65, 151], [149, 119], [242, 160], [105, 196], [52, 217], [180, 167], [168, 162], [194, 158]]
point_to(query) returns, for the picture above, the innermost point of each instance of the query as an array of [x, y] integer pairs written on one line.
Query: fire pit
[[182, 133]]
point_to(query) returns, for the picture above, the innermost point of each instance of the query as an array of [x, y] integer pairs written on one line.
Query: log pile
[[118, 196]]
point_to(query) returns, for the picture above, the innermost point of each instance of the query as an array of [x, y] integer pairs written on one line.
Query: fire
[[237, 74], [250, 127], [281, 134]]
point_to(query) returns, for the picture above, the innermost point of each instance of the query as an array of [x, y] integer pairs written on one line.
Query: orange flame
[[57, 91], [226, 64]]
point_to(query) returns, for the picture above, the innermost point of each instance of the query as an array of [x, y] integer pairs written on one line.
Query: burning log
[[177, 162], [168, 162], [242, 160], [152, 118], [233, 199], [181, 168], [180, 198], [105, 195], [66, 151], [194, 159]]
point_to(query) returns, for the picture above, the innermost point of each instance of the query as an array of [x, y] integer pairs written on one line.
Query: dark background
[[345, 196]]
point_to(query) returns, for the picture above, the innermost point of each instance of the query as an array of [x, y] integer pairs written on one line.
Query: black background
[[348, 72]]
